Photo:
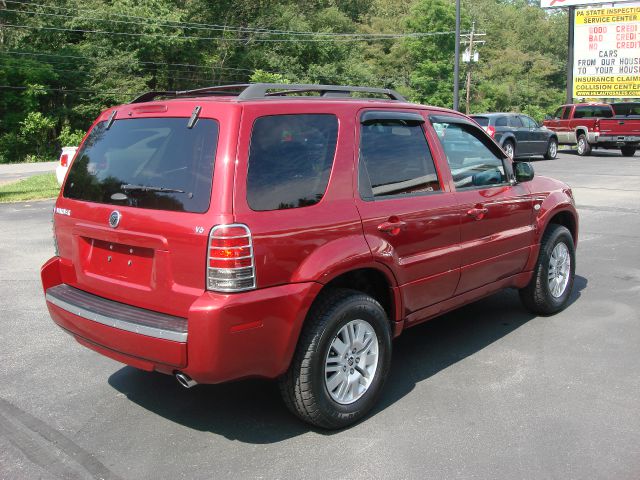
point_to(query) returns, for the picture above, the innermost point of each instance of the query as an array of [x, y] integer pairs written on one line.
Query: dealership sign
[[606, 47], [572, 3]]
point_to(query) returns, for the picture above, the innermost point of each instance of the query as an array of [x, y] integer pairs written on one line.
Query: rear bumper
[[618, 140], [227, 336]]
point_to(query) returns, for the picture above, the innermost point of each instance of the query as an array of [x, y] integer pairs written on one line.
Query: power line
[[71, 90], [215, 27], [13, 87], [155, 70], [140, 62], [225, 39]]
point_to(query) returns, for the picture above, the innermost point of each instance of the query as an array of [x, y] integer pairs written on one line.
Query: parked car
[[593, 125], [258, 231], [626, 109], [66, 157], [519, 135]]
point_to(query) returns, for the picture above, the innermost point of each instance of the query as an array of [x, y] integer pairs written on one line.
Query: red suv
[[290, 232]]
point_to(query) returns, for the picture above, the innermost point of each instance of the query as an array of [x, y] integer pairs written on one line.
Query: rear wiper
[[144, 188]]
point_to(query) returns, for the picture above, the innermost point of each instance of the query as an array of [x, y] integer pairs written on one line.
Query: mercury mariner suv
[[291, 232]]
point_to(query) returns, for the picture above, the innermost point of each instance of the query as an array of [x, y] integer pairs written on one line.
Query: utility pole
[[3, 6], [572, 15], [470, 57], [456, 61]]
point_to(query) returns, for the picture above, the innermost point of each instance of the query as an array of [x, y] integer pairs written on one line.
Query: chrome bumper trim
[[118, 315]]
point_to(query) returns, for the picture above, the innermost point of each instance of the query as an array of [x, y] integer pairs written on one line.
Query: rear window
[[290, 160], [592, 111], [626, 108], [155, 163], [482, 121], [395, 160]]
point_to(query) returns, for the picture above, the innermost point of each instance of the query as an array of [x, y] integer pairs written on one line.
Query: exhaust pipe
[[185, 380]]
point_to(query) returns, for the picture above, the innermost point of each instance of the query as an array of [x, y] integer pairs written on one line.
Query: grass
[[32, 188]]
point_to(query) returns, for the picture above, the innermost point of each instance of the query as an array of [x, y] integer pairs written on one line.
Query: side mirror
[[523, 171]]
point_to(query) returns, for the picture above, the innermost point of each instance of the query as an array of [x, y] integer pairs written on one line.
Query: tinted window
[[558, 113], [566, 113], [515, 122], [290, 160], [582, 112], [482, 121], [501, 122], [473, 160], [592, 111], [395, 160], [528, 122], [626, 108], [604, 112], [134, 160]]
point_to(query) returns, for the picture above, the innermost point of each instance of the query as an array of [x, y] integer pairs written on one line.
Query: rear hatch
[[129, 222]]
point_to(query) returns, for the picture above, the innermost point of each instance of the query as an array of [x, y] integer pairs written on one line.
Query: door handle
[[392, 226], [478, 212]]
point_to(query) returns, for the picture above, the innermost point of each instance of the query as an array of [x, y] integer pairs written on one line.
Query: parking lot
[[488, 391]]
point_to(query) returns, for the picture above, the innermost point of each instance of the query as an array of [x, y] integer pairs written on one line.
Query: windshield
[[155, 163]]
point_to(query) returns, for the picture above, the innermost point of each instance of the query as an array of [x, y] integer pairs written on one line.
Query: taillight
[[491, 131], [230, 266], [64, 159], [596, 125], [53, 232]]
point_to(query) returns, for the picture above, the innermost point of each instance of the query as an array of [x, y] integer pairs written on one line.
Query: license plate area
[[129, 263]]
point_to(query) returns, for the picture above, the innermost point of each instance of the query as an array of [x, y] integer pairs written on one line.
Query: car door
[[409, 215], [538, 137], [553, 123], [523, 143], [496, 214]]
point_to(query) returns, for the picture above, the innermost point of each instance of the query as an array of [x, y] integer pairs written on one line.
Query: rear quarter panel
[[312, 243]]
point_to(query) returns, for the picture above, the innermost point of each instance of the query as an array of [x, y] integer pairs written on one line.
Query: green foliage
[[260, 76], [68, 138], [53, 99], [36, 130]]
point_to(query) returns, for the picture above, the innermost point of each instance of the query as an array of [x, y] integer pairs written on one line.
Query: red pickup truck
[[594, 125]]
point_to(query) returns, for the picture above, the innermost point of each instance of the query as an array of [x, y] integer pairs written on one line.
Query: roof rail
[[255, 91], [262, 90], [215, 90]]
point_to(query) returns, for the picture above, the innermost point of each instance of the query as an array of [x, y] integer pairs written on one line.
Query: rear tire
[[323, 386], [550, 287], [509, 148], [584, 148], [628, 151], [552, 150]]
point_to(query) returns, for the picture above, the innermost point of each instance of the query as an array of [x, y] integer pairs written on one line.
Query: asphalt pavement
[[487, 392]]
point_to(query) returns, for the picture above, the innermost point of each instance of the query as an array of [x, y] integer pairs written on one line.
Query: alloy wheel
[[559, 270], [352, 361]]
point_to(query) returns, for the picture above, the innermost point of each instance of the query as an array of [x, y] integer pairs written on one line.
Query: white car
[[64, 162]]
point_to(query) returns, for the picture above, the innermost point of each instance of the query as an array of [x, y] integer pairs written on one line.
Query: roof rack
[[256, 91]]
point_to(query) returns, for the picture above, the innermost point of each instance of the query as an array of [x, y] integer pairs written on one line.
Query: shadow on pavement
[[251, 411], [594, 153]]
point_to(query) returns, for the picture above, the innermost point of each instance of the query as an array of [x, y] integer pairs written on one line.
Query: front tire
[[628, 151], [552, 150], [550, 287], [341, 361], [584, 148]]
